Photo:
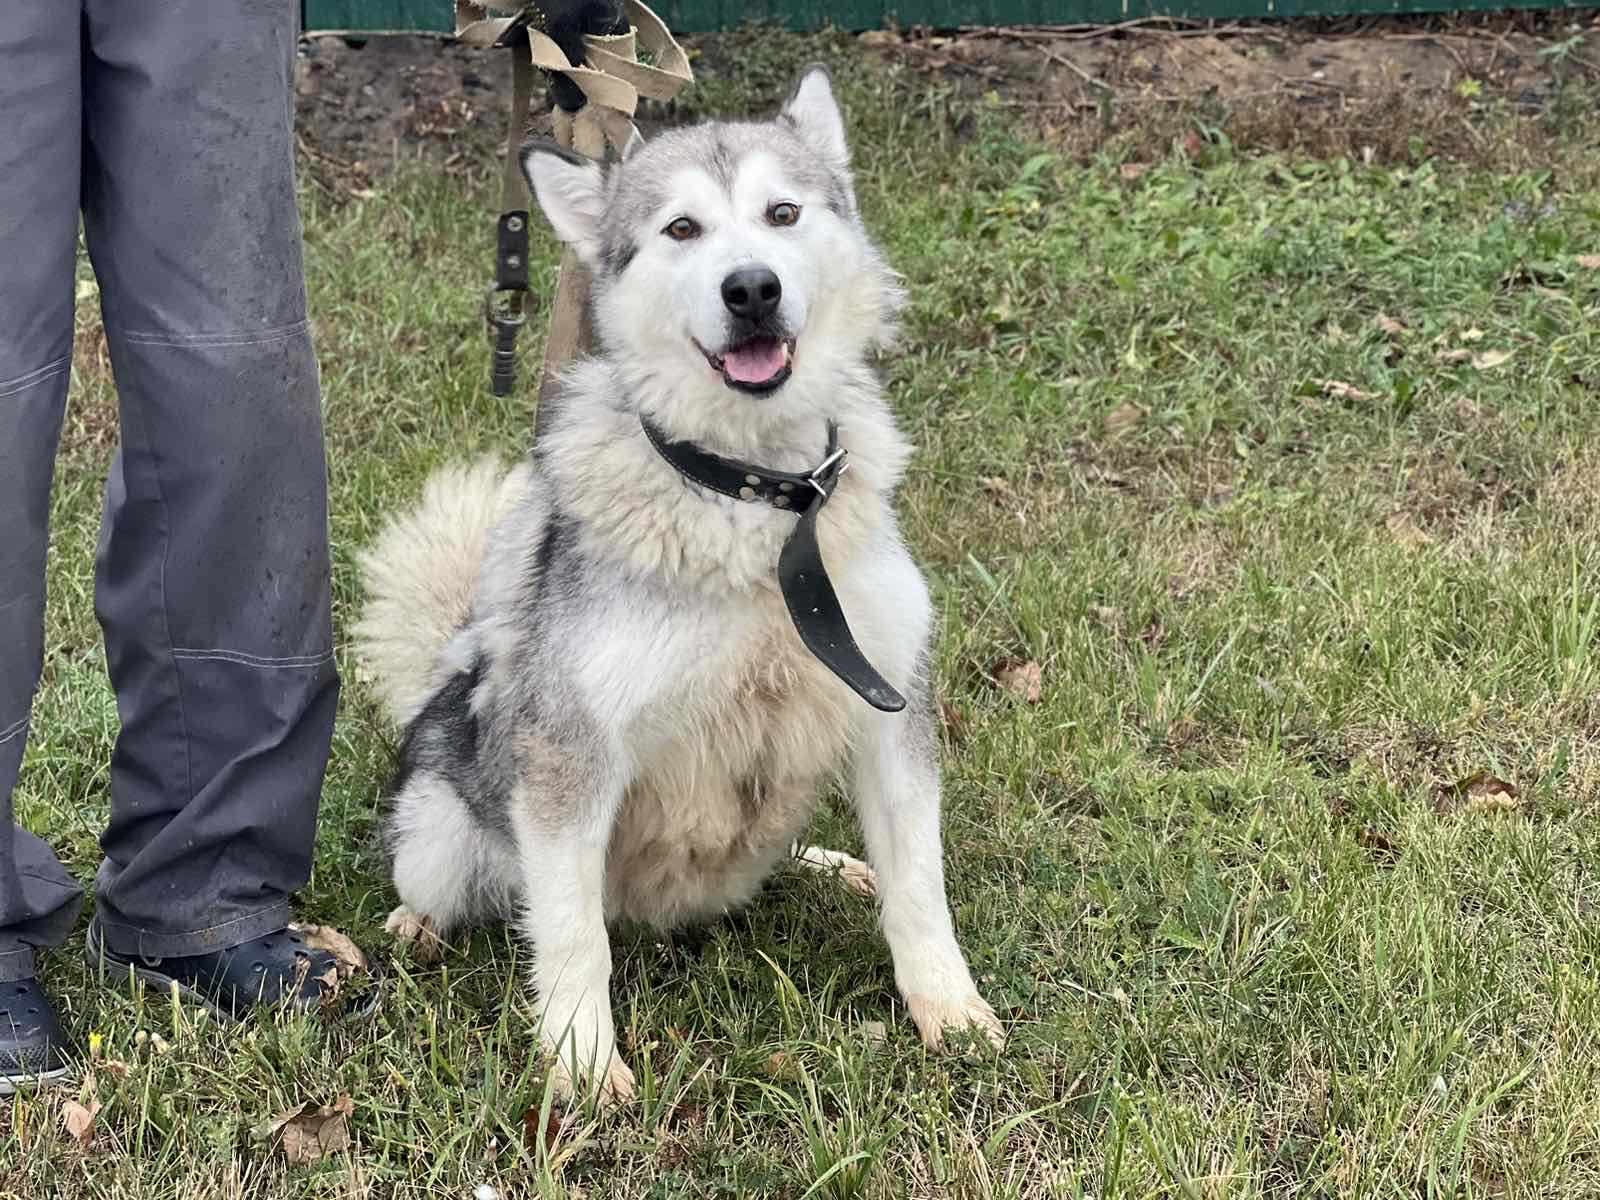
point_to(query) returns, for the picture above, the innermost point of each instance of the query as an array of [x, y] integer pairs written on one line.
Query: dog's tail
[[420, 577]]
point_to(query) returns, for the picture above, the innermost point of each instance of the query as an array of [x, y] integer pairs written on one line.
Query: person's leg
[[39, 93], [213, 585], [40, 88]]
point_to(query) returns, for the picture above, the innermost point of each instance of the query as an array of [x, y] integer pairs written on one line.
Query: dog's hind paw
[[426, 940], [614, 1086], [852, 872], [937, 1016]]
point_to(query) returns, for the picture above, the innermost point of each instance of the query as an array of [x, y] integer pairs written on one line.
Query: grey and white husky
[[609, 711]]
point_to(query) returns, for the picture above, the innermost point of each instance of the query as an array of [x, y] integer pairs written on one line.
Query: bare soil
[[1385, 87]]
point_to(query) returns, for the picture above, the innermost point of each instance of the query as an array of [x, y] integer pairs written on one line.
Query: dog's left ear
[[815, 115], [571, 190]]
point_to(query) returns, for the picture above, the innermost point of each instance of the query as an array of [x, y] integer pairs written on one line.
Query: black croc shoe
[[280, 970], [33, 1050]]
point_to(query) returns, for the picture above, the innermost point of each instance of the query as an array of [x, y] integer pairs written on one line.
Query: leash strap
[[612, 80], [505, 308], [808, 593]]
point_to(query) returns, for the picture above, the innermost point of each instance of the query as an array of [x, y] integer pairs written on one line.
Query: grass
[[1250, 937]]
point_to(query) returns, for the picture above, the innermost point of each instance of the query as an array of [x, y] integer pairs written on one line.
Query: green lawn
[[1283, 472]]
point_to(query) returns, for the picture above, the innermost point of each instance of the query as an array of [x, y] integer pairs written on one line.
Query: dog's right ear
[[571, 189]]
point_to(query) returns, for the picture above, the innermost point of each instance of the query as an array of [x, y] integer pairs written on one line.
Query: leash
[[802, 577], [611, 80]]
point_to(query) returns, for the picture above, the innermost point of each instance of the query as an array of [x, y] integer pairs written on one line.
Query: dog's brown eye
[[783, 213], [682, 229]]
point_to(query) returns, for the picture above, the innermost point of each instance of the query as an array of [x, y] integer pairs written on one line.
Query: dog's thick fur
[[608, 712]]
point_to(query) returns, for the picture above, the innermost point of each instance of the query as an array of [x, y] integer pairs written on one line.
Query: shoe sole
[[165, 983], [10, 1085]]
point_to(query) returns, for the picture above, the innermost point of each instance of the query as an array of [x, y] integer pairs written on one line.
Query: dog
[[614, 708]]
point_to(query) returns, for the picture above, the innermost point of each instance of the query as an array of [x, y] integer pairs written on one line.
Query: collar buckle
[[829, 470]]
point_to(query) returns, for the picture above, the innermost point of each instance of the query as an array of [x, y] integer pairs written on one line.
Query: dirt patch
[[1385, 88], [1377, 87], [1238, 62], [363, 111]]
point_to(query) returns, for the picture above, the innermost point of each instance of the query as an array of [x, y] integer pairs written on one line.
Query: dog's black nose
[[752, 292]]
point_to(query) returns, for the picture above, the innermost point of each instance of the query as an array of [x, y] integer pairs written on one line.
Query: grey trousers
[[168, 124]]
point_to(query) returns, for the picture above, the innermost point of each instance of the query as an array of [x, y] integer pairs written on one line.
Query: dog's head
[[728, 260]]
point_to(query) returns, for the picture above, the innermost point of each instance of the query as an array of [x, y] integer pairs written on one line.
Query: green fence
[[697, 16]]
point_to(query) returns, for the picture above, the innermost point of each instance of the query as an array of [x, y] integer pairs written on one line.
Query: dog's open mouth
[[758, 364]]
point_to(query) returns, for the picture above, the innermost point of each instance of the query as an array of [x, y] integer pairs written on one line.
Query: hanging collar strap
[[802, 578]]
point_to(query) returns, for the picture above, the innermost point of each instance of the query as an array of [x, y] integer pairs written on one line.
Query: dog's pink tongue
[[754, 362]]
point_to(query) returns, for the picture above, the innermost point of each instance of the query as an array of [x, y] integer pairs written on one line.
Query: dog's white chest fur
[[730, 759]]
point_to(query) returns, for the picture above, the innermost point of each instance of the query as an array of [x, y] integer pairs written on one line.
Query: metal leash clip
[[505, 314]]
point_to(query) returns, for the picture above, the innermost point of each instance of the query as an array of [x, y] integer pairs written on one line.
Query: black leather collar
[[802, 578]]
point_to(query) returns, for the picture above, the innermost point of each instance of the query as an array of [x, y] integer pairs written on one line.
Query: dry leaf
[[1485, 791], [1453, 356], [874, 1032], [778, 1065], [347, 957], [79, 1121], [994, 485], [535, 1132], [1022, 679], [689, 1115], [953, 719], [313, 1136], [310, 1135], [1132, 171], [1125, 417], [346, 953], [1389, 325], [1344, 391], [1406, 530], [1378, 845], [1154, 634], [1589, 261], [1472, 335], [1491, 358]]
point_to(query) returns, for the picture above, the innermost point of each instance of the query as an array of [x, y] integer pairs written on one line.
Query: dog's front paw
[[426, 941], [612, 1087], [937, 1015]]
